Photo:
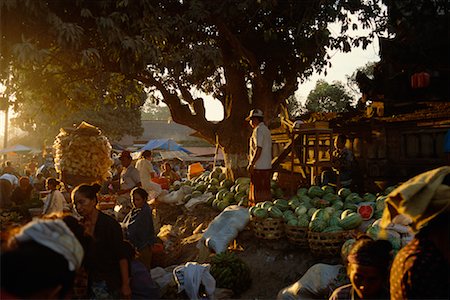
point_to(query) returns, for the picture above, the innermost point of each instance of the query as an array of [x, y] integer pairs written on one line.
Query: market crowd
[[115, 252]]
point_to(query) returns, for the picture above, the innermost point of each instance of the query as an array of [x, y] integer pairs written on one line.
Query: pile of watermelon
[[321, 209], [223, 192]]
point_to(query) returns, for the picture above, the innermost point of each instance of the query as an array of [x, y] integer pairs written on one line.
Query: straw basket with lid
[[82, 155]]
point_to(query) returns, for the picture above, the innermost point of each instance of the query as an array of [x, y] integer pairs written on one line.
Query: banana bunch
[[230, 272], [83, 151]]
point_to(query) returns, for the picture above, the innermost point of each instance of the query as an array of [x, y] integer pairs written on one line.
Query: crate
[[297, 235], [329, 243], [268, 229]]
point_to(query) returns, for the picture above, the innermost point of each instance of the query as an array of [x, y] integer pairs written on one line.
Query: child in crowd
[[368, 269]]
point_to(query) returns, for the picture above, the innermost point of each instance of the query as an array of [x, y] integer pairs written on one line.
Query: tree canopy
[[327, 97], [246, 53]]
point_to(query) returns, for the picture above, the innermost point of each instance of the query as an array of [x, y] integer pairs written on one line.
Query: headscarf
[[55, 235], [421, 198]]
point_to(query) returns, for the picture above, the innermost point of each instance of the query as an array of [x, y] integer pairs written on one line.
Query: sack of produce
[[82, 154]]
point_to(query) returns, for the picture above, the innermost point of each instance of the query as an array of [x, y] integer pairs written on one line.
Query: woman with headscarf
[[368, 270], [55, 201], [106, 263], [42, 259], [421, 268]]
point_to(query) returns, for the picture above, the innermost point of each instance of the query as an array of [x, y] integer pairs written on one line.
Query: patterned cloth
[[260, 186], [420, 271], [55, 235]]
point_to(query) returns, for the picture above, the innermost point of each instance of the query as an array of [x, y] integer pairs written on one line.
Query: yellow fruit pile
[[83, 151]]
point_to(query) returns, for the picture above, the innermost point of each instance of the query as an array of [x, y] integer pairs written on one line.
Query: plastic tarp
[[16, 149], [166, 144]]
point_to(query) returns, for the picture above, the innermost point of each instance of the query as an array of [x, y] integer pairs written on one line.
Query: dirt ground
[[273, 264]]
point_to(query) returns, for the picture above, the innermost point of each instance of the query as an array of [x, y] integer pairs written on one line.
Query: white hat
[[255, 113]]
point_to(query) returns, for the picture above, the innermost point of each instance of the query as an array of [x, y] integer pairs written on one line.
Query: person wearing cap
[[260, 158], [129, 179]]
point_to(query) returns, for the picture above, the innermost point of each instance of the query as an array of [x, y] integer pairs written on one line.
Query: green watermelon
[[334, 221], [281, 204], [328, 189], [292, 222], [302, 191], [260, 212], [353, 198], [303, 221], [315, 191], [351, 221], [338, 205], [226, 183], [344, 192], [346, 247], [317, 225], [311, 211], [368, 197], [294, 203], [331, 198], [275, 212], [301, 210]]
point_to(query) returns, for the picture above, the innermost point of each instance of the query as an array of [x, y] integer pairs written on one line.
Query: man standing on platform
[[260, 158]]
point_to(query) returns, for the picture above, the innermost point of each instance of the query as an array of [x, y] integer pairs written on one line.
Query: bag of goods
[[83, 151]]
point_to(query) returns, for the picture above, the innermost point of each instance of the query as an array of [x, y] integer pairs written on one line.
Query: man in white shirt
[[129, 179], [260, 158]]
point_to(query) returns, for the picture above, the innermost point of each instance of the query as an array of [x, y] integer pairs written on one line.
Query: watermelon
[[338, 205], [210, 200], [266, 204], [303, 221], [351, 221], [251, 210], [345, 213], [226, 183], [329, 210], [368, 197], [331, 198], [334, 221], [302, 192], [275, 212], [301, 210], [315, 191], [260, 212], [222, 205], [353, 197], [294, 203], [320, 214], [281, 204], [380, 203], [243, 180], [317, 225], [366, 211], [243, 202], [346, 247], [320, 203], [344, 192], [311, 211], [328, 189], [351, 206]]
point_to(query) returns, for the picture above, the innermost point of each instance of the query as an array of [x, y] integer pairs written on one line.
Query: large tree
[[246, 53], [327, 97]]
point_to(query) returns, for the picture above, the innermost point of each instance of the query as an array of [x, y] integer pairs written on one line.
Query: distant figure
[[169, 173], [260, 158], [9, 169], [342, 164], [8, 182], [129, 179], [22, 194], [368, 270], [55, 201], [147, 172]]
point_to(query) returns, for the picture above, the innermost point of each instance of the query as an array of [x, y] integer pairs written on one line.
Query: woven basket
[[297, 235], [268, 229], [328, 244]]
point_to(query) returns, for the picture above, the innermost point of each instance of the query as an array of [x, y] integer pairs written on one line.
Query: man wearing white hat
[[260, 158]]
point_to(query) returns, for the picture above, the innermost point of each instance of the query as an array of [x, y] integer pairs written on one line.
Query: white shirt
[[145, 168], [54, 202], [261, 138]]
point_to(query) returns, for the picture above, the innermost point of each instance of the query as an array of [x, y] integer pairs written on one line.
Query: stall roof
[[16, 149], [163, 144]]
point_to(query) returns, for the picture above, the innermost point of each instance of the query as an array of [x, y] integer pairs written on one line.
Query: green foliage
[[246, 54], [327, 97]]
